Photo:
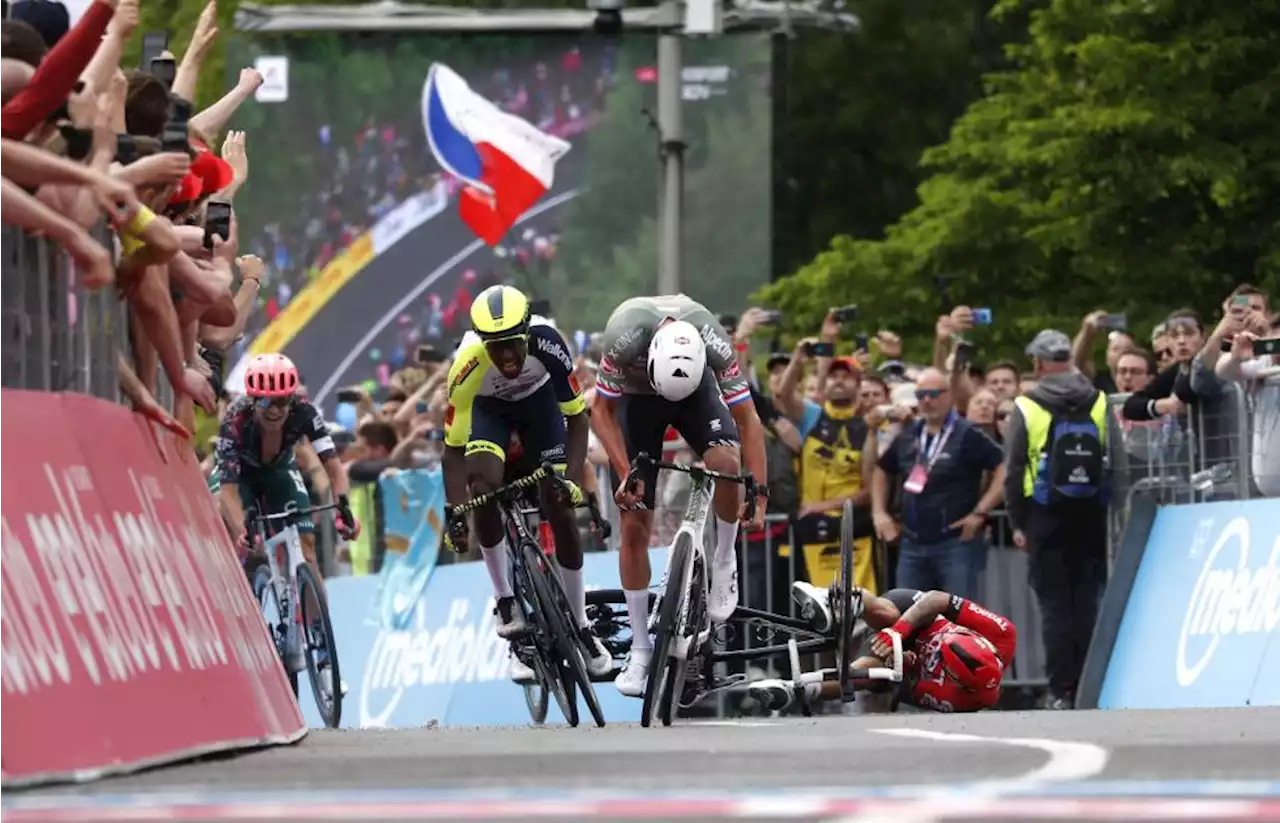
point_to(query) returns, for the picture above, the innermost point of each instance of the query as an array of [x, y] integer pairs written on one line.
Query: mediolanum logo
[[465, 649], [1234, 595]]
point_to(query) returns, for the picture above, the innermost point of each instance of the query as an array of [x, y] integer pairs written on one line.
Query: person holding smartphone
[[1254, 362]]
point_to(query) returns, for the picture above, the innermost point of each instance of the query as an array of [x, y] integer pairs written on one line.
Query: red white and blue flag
[[505, 163]]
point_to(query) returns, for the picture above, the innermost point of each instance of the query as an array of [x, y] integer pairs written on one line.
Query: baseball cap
[[778, 358], [847, 363], [1051, 345]]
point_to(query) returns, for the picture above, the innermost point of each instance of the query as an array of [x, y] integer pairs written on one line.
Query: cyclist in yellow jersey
[[515, 375]]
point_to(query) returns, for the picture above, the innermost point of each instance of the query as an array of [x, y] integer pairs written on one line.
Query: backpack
[[1074, 462]]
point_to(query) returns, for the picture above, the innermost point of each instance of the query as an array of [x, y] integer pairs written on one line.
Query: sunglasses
[[265, 403], [1164, 354], [929, 394]]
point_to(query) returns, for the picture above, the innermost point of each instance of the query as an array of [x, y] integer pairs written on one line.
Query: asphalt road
[[1154, 765]]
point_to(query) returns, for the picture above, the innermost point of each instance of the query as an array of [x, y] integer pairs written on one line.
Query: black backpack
[[1075, 463]]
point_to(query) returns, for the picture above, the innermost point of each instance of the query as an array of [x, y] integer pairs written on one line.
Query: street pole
[[671, 193]]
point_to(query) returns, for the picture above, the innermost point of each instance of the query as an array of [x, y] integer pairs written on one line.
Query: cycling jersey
[[239, 444], [927, 684], [624, 367], [473, 376]]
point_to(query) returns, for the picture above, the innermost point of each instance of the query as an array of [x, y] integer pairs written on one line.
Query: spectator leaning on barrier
[[1260, 376], [937, 464], [1056, 493]]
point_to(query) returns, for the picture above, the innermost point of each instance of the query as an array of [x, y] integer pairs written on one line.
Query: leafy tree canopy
[[1127, 160]]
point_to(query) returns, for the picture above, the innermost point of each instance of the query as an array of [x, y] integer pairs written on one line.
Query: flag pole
[[671, 192]]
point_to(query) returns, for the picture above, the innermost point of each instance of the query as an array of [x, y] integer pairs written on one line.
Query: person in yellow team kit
[[513, 375], [831, 469]]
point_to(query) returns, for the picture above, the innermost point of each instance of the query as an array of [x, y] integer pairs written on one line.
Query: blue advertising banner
[[1200, 627], [412, 521], [446, 663]]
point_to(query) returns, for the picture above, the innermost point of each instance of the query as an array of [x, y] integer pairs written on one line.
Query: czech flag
[[505, 163]]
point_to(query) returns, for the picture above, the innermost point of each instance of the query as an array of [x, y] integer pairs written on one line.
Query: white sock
[[726, 544], [638, 611], [499, 566], [576, 592]]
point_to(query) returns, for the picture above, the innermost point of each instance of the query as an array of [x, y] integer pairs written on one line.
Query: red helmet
[[971, 661], [271, 375]]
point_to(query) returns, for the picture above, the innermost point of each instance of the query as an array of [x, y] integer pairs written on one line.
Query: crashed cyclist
[[516, 376], [954, 651], [256, 467], [668, 362]]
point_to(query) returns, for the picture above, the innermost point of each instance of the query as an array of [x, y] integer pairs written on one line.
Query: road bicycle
[[683, 627], [303, 640], [550, 646]]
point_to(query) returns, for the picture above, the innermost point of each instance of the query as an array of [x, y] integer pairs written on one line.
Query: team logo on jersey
[[715, 341], [607, 366], [463, 373], [733, 371], [448, 416], [573, 384], [556, 350]]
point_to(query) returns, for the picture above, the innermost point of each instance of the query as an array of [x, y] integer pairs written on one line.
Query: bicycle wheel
[[538, 700], [673, 691], [575, 661], [844, 641], [672, 602], [541, 619], [328, 696], [277, 625]]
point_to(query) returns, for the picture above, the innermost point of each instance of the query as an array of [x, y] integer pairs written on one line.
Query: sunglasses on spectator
[[265, 403], [1164, 354], [929, 394]]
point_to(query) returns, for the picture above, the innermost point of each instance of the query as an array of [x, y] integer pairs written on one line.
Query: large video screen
[[365, 252]]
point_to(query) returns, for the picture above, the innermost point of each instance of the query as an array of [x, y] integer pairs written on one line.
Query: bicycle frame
[[284, 556]]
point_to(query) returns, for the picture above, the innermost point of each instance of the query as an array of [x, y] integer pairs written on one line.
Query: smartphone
[[428, 354], [164, 69], [1114, 322], [541, 306], [964, 353], [861, 343], [154, 43], [421, 408], [217, 220], [982, 317], [349, 396], [771, 317], [845, 314], [175, 137], [1240, 300], [79, 141], [1270, 345], [820, 349], [126, 149]]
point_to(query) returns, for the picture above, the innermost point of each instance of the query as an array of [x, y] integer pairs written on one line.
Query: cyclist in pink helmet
[[256, 467]]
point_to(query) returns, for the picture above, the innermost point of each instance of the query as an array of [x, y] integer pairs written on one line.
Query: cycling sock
[[499, 566], [638, 611], [576, 592], [726, 544]]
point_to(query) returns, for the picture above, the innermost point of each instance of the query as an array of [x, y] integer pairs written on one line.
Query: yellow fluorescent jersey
[[474, 375]]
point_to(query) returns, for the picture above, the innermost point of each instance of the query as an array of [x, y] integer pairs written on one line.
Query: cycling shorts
[[274, 490], [536, 418]]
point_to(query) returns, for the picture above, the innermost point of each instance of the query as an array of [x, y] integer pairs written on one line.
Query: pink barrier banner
[[130, 636]]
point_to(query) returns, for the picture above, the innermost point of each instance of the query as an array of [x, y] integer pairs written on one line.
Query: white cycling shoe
[[521, 673], [773, 694], [599, 661], [724, 593], [631, 680], [813, 604]]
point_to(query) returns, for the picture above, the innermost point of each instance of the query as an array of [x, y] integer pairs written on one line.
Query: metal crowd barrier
[[58, 335]]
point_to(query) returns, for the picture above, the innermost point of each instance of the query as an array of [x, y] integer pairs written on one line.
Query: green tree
[[1128, 161]]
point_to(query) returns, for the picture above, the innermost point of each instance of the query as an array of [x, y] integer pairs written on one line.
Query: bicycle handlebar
[[503, 493], [643, 461], [291, 511]]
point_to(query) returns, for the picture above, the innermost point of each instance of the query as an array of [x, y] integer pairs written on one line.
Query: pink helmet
[[271, 375]]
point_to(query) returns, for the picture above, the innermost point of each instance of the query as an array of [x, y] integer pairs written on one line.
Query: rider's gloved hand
[[882, 642], [346, 523], [455, 531], [571, 490]]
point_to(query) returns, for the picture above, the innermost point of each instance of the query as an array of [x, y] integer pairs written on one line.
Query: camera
[[217, 220], [175, 136], [608, 20]]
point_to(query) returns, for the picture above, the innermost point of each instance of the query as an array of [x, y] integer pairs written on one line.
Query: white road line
[[1068, 761], [443, 269]]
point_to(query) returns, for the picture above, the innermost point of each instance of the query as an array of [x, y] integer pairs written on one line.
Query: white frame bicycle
[[284, 578]]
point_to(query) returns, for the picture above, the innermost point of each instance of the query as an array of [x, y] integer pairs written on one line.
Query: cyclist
[[668, 362], [954, 651], [517, 376], [256, 462]]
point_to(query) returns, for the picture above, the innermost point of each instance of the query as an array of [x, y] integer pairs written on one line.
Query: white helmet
[[677, 360]]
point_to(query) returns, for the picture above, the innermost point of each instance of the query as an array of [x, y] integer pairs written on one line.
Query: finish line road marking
[[805, 808], [1067, 760]]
